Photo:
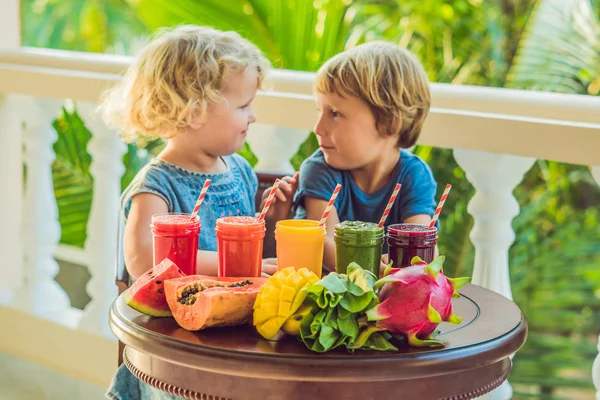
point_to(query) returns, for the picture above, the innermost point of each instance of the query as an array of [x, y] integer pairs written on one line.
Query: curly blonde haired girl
[[192, 86]]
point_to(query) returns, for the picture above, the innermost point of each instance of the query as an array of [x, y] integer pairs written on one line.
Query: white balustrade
[[596, 173], [40, 294], [11, 172], [493, 207], [107, 150], [274, 146], [11, 178]]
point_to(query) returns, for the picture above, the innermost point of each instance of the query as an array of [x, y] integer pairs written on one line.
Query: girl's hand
[[269, 267], [282, 202]]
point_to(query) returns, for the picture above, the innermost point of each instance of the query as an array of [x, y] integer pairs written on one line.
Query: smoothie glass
[[175, 236], [240, 246], [408, 240], [300, 243], [359, 242]]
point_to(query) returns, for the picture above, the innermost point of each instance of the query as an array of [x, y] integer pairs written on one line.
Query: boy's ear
[[391, 127], [396, 127]]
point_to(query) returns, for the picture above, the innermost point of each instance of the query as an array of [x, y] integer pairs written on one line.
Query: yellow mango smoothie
[[299, 244]]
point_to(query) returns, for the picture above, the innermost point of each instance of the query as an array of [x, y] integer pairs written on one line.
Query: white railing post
[[493, 207], [274, 146], [11, 171], [596, 372], [596, 367], [40, 294], [11, 178], [106, 150]]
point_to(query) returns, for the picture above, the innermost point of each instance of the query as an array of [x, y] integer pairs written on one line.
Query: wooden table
[[236, 363]]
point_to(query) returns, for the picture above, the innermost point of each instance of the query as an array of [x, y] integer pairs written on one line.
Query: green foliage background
[[550, 45]]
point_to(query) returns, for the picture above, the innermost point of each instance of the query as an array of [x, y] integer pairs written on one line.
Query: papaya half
[[198, 302]]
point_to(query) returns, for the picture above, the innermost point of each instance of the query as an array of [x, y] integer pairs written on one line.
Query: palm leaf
[[560, 51], [73, 184], [87, 25], [278, 27]]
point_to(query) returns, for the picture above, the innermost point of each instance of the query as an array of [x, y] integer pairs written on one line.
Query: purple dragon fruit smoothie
[[406, 241]]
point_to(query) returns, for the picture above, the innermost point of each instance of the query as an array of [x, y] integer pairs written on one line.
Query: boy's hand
[[383, 264], [282, 202]]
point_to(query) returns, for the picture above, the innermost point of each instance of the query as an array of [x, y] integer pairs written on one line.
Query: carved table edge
[[484, 389], [166, 387], [191, 395]]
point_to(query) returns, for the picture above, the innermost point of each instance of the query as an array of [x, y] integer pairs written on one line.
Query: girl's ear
[[196, 118], [195, 123]]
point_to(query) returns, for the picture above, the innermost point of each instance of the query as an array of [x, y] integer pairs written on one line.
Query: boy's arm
[[137, 240], [314, 210], [423, 219]]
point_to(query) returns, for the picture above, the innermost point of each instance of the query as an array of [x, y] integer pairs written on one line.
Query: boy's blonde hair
[[175, 78], [389, 79]]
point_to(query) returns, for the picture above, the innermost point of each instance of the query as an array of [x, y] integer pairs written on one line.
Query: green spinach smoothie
[[359, 242]]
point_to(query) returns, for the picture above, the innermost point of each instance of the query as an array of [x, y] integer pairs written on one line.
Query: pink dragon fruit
[[415, 299]]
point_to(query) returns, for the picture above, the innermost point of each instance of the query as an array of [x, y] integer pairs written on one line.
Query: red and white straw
[[390, 203], [263, 213], [201, 198], [337, 189], [438, 210]]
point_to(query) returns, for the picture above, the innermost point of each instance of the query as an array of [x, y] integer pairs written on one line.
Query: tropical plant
[[556, 281], [570, 61], [86, 25], [297, 35]]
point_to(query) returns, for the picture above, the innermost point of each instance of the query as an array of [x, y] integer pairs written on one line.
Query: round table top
[[493, 328]]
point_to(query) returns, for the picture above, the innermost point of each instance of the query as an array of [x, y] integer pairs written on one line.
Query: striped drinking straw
[[337, 189], [200, 198], [390, 203], [263, 213], [438, 210]]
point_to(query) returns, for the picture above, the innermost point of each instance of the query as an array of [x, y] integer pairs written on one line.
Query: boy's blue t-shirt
[[417, 195], [230, 193]]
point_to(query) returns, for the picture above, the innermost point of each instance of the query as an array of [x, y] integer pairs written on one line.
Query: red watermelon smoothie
[[240, 246], [175, 236], [406, 241]]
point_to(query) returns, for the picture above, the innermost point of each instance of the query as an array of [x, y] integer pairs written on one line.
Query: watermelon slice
[[147, 294]]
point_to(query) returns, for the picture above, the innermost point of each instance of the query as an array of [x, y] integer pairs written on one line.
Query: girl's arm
[[206, 263], [137, 240], [314, 210]]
